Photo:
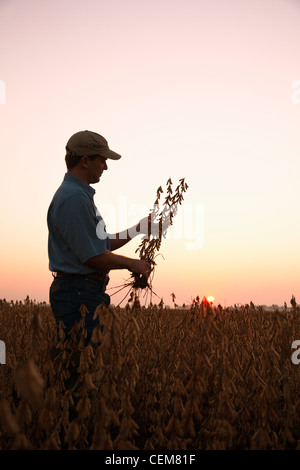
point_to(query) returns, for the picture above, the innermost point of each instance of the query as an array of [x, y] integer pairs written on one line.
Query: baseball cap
[[90, 143]]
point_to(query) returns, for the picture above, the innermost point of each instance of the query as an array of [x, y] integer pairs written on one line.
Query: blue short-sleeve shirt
[[73, 223]]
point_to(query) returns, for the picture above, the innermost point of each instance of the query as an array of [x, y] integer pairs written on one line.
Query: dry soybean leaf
[[29, 383], [8, 423]]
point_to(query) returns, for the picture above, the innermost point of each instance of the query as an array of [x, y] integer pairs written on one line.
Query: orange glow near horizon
[[210, 299]]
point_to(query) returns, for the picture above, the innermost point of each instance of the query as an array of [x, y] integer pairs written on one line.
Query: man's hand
[[147, 227], [141, 267]]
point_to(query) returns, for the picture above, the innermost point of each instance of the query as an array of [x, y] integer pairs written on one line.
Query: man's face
[[96, 168]]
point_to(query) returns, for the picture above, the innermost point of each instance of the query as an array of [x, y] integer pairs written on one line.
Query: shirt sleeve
[[76, 221]]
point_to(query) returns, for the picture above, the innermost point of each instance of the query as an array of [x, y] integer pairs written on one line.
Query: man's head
[[86, 155]]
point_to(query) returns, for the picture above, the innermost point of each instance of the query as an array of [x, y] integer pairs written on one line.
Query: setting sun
[[210, 299]]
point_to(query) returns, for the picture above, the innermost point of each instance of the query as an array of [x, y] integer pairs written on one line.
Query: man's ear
[[84, 161]]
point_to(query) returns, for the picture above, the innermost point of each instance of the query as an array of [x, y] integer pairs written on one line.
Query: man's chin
[[96, 180]]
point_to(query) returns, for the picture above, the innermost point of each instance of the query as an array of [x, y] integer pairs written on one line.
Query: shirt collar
[[80, 183]]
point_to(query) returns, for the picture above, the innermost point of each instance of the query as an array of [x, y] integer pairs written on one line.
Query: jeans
[[66, 297]]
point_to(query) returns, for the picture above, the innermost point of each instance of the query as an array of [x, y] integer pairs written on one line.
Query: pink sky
[[195, 89]]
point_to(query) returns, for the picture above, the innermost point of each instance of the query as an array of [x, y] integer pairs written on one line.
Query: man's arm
[[108, 260], [120, 239], [117, 240]]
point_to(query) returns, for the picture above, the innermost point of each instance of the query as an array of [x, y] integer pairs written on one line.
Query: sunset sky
[[206, 90]]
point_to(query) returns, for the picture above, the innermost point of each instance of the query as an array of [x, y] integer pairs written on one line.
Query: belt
[[103, 278]]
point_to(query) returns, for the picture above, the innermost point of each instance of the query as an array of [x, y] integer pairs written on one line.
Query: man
[[81, 255]]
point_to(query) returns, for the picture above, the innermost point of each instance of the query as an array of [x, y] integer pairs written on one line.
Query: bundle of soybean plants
[[159, 220]]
